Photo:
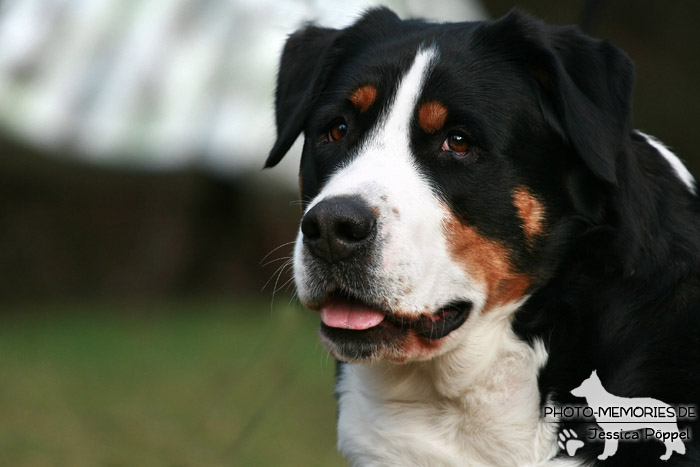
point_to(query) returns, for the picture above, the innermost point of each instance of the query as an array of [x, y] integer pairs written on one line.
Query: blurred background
[[146, 310]]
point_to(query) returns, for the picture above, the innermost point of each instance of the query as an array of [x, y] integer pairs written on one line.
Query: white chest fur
[[476, 405]]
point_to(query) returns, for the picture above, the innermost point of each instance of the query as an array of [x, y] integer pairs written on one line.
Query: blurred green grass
[[196, 383]]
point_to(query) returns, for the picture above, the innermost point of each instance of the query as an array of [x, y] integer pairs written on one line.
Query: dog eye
[[337, 131], [457, 144]]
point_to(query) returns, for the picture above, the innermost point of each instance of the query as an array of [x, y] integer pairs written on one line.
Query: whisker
[[277, 272], [286, 283], [295, 296], [275, 260], [275, 249], [275, 289]]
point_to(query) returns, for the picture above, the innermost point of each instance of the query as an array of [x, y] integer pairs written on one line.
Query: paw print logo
[[568, 441]]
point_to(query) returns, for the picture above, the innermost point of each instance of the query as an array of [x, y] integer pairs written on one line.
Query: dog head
[[442, 165]]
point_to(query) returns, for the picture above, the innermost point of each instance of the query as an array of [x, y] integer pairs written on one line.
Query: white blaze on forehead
[[676, 164], [407, 95], [388, 144]]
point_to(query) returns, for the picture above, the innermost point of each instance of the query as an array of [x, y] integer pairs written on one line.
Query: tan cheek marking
[[487, 262], [530, 210], [364, 97], [432, 116]]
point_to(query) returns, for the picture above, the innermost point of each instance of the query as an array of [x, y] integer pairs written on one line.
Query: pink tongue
[[347, 316]]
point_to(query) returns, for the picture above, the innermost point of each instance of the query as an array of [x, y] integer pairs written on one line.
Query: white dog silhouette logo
[[617, 415]]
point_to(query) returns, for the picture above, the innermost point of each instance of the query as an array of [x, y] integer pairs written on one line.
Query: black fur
[[616, 272]]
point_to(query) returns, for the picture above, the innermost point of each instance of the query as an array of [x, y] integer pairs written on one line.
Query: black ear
[[586, 86], [309, 58], [301, 76], [592, 82]]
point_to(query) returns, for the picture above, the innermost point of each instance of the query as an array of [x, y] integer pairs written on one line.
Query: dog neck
[[460, 405]]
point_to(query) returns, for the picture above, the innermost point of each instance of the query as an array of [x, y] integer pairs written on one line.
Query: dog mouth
[[354, 330], [354, 315]]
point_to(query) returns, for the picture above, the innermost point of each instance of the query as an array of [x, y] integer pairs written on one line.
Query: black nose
[[337, 228]]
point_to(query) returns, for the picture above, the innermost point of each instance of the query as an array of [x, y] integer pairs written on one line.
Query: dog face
[[442, 167]]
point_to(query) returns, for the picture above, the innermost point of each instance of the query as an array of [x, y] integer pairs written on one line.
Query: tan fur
[[432, 116], [530, 211], [364, 97], [487, 261]]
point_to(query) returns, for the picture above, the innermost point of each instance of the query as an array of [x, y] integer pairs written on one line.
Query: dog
[[650, 414], [482, 228]]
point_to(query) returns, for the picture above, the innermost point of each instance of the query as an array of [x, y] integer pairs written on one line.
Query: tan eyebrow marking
[[432, 116], [364, 97]]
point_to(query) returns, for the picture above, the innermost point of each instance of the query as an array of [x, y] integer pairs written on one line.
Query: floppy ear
[[301, 76], [585, 84], [591, 84], [308, 60]]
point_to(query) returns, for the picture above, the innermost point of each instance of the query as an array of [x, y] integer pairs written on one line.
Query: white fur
[[676, 164], [475, 405]]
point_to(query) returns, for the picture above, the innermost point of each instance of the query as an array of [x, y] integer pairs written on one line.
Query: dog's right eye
[[337, 131]]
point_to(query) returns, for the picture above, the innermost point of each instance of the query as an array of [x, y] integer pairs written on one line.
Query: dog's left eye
[[456, 144]]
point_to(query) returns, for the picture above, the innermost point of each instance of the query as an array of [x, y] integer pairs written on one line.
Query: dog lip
[[442, 322], [431, 325]]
